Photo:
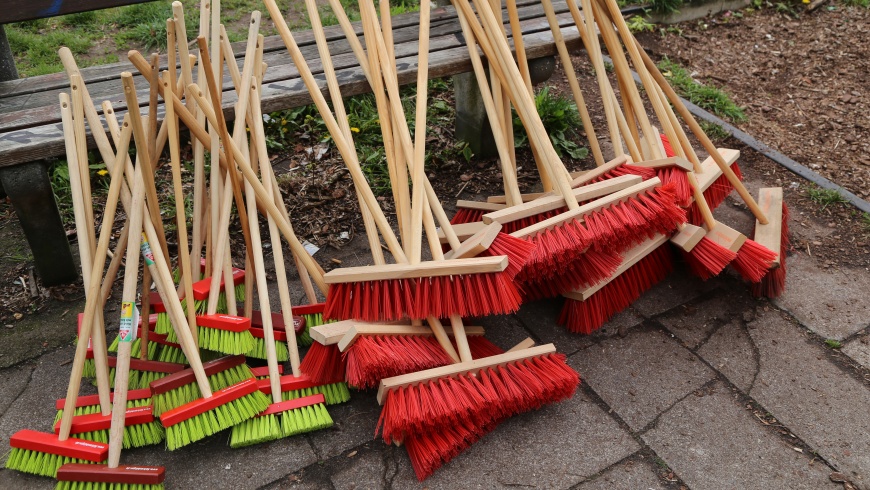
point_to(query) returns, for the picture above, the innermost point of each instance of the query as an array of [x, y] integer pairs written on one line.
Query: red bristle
[[753, 261], [773, 283], [481, 347], [589, 315], [465, 215], [677, 176], [714, 195], [428, 452], [626, 169], [708, 258], [519, 224], [517, 250], [588, 269], [323, 363], [372, 358]]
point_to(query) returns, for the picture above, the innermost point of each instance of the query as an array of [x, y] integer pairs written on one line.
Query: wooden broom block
[[666, 162], [463, 231], [770, 235], [630, 258], [471, 367], [476, 244], [525, 197], [378, 329], [688, 237], [552, 202], [484, 206], [527, 343], [591, 207], [727, 237], [600, 171], [331, 333], [476, 265]]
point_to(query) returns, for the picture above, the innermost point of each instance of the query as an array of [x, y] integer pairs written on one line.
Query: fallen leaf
[[351, 454]]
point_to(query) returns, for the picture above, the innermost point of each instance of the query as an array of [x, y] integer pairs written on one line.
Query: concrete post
[[29, 189], [7, 61]]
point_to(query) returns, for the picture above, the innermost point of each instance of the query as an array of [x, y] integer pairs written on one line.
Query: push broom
[[139, 478]]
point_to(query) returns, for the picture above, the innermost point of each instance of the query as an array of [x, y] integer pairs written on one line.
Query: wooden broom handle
[[94, 299], [703, 138]]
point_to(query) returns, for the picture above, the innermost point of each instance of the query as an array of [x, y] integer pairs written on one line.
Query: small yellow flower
[[103, 172], [354, 130], [283, 122]]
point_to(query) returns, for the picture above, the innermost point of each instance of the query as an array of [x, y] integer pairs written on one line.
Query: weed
[[833, 343], [666, 7], [857, 3], [786, 8], [825, 197], [561, 120], [639, 23], [865, 221], [706, 97], [714, 131]]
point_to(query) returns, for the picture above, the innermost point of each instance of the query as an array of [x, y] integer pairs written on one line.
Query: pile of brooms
[[598, 238]]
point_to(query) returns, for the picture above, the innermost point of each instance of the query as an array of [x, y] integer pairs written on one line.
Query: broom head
[[71, 476], [42, 454], [180, 388], [283, 419]]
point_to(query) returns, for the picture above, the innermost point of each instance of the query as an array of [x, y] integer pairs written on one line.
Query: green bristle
[[136, 348], [168, 353], [141, 435], [334, 393], [38, 463], [84, 485], [215, 420], [113, 347], [164, 324], [215, 339], [311, 320], [89, 409], [259, 350], [255, 431], [187, 393], [90, 369], [138, 379], [305, 419]]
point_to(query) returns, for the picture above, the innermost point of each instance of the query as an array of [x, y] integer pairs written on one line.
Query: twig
[[463, 188], [34, 290]]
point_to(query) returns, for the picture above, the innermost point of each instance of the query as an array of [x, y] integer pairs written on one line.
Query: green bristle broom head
[[259, 350], [38, 463], [91, 409], [334, 393], [217, 340], [215, 420], [278, 425], [83, 485], [138, 379], [311, 320], [164, 324], [139, 435], [164, 402], [113, 347], [135, 348], [90, 369], [168, 353]]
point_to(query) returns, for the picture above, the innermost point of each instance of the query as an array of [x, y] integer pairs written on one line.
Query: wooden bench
[[30, 128]]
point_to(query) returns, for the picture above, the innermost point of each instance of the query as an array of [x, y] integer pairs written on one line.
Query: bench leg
[[472, 123], [7, 61], [29, 189]]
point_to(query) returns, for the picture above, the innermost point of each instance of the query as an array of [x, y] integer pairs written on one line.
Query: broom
[[40, 453], [279, 419], [773, 236], [90, 404], [298, 384], [120, 428]]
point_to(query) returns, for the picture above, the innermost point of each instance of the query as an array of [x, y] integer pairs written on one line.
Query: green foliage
[[640, 23], [704, 96], [714, 131], [825, 197], [561, 120], [865, 221], [144, 24], [666, 7], [857, 3], [833, 343]]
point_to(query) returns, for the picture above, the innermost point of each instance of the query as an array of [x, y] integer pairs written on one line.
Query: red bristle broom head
[[772, 284], [429, 452], [588, 316], [466, 215], [753, 261], [715, 195], [588, 269], [73, 475], [708, 258], [374, 357], [519, 224], [323, 363], [481, 347], [417, 298], [517, 250], [626, 169], [488, 395], [675, 175]]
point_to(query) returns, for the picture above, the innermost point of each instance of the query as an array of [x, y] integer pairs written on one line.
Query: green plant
[[786, 8], [857, 3], [714, 131], [865, 221], [666, 7], [704, 96], [833, 343], [825, 197], [640, 23], [561, 120]]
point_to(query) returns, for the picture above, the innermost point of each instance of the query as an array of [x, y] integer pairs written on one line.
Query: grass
[[857, 3], [707, 97], [714, 131], [865, 221], [833, 343], [824, 197], [561, 120]]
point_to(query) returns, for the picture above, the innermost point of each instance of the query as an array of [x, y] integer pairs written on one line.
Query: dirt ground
[[812, 66]]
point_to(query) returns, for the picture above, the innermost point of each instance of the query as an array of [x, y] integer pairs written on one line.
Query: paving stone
[[641, 375], [15, 379], [540, 318], [693, 322], [365, 471], [355, 423], [730, 352], [678, 288], [712, 442], [504, 331], [807, 393], [630, 475], [830, 302], [527, 451], [859, 350]]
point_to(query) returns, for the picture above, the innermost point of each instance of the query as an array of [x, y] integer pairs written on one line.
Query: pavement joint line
[[654, 422], [313, 447], [21, 392], [639, 457]]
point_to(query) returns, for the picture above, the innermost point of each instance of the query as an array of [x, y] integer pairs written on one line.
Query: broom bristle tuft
[[753, 261], [708, 258]]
